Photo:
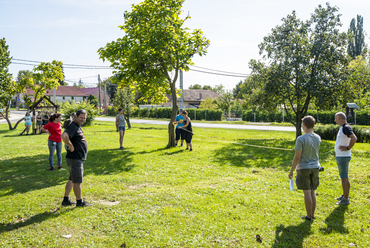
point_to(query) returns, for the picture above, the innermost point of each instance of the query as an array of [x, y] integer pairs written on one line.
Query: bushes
[[68, 108], [329, 132], [323, 117]]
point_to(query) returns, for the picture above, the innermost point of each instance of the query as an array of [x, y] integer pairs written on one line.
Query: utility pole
[[182, 91], [105, 96], [99, 94]]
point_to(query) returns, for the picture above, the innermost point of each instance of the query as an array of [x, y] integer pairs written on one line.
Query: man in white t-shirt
[[346, 139]]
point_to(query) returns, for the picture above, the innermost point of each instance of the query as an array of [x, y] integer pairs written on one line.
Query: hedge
[[329, 132], [323, 117]]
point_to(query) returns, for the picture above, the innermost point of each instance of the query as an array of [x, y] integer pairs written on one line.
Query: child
[[306, 161]]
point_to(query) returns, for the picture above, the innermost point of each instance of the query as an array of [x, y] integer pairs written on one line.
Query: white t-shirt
[[343, 139]]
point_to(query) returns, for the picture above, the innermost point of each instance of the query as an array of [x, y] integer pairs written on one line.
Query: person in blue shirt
[[180, 133]]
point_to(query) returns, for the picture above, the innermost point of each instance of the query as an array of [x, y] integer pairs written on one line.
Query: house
[[63, 94], [193, 98], [95, 92]]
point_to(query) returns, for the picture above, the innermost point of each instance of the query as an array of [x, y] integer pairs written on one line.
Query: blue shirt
[[179, 118]]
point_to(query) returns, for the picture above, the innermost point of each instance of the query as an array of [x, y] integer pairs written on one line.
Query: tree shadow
[[26, 173], [271, 153], [335, 221], [292, 236], [38, 218]]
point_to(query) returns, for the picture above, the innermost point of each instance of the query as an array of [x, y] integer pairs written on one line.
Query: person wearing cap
[[180, 133]]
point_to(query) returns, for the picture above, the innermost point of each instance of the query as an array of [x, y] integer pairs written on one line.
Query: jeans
[[52, 147]]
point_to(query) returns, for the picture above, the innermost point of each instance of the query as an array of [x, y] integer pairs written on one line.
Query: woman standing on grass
[[188, 130], [38, 123], [28, 122], [54, 129], [120, 126], [45, 119]]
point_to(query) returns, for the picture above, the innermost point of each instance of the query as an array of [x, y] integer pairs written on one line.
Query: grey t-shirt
[[309, 144]]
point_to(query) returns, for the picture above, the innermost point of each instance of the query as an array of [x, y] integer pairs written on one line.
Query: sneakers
[[83, 204], [67, 203], [60, 167], [343, 201], [121, 148], [51, 168], [339, 198], [190, 149]]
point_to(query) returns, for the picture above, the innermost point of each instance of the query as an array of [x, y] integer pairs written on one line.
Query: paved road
[[209, 125], [16, 115]]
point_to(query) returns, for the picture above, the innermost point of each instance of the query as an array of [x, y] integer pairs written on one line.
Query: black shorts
[[180, 133], [76, 170], [188, 137]]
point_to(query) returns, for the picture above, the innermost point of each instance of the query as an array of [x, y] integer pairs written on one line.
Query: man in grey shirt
[[306, 161]]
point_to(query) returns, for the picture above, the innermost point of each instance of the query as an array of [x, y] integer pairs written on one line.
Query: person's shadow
[[335, 221], [292, 236]]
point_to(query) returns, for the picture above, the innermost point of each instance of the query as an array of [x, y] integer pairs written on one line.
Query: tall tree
[[153, 50], [220, 89], [356, 43], [307, 62], [7, 85], [45, 76]]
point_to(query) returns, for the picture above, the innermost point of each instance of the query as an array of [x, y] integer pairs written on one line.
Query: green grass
[[222, 194]]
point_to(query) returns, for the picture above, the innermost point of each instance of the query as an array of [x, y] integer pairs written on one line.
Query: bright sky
[[73, 30]]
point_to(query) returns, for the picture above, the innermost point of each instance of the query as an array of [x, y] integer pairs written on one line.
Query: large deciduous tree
[[356, 45], [306, 61], [156, 45], [7, 85]]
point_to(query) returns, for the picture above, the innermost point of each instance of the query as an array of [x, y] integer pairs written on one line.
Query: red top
[[55, 129]]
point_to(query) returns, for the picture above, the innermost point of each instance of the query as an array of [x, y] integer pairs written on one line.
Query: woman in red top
[[54, 129]]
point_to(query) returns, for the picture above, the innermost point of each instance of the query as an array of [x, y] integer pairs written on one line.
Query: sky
[[72, 31]]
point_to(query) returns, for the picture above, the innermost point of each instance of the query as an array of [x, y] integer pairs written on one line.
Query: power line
[[241, 74], [95, 67], [220, 74]]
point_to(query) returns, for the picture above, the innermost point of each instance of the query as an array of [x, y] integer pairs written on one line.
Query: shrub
[[329, 132], [134, 111], [112, 111], [68, 108], [144, 112]]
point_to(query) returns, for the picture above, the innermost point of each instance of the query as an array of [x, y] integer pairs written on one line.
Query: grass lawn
[[221, 194]]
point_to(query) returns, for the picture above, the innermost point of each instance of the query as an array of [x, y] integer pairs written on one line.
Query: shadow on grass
[[241, 155], [26, 173], [38, 218], [292, 236], [335, 221]]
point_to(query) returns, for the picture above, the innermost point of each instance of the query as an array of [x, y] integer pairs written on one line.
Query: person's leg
[[346, 187], [27, 128], [182, 134], [77, 189], [121, 135], [68, 188], [59, 147], [51, 152], [313, 204], [177, 137], [343, 168], [308, 202]]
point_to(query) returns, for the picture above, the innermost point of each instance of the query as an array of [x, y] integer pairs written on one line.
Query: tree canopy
[[6, 79], [305, 61], [356, 45], [154, 48]]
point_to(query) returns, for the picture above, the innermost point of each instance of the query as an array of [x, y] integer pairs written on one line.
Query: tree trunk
[[128, 121], [298, 125], [171, 129]]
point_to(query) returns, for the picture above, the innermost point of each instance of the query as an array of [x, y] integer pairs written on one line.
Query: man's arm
[[295, 162], [351, 143], [67, 141]]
